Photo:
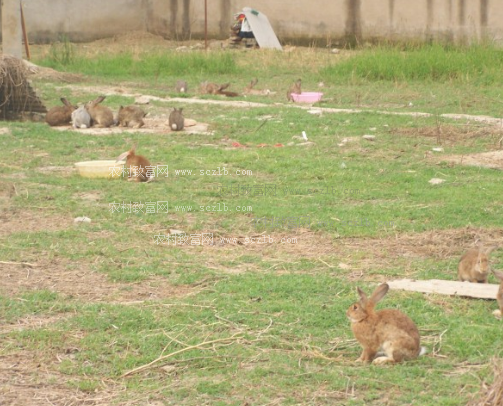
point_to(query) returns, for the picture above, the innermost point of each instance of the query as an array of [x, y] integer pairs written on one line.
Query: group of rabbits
[[94, 114], [392, 332]]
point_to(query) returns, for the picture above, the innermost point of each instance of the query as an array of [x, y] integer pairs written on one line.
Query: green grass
[[127, 65], [103, 298], [476, 64]]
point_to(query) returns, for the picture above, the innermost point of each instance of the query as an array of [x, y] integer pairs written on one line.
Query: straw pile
[[492, 395], [16, 94]]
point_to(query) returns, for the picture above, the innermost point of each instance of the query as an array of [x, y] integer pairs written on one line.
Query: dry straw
[[16, 94], [492, 395]]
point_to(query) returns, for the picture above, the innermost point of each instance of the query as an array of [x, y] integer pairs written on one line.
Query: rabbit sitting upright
[[474, 265], [101, 116], [388, 330]]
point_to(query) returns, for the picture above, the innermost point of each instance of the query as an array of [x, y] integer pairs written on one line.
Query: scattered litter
[[410, 104], [321, 84], [82, 220], [297, 137], [315, 111], [369, 137], [335, 51], [290, 143], [173, 231], [238, 145], [372, 129], [278, 145], [438, 149], [304, 135], [343, 166], [305, 144], [436, 181], [261, 145]]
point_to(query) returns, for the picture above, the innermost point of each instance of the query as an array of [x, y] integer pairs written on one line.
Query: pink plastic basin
[[307, 97]]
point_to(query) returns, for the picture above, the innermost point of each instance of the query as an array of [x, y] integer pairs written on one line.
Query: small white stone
[[82, 220], [436, 181]]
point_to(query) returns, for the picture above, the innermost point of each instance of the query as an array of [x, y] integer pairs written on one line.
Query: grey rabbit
[[60, 115], [176, 119], [181, 86], [81, 118], [101, 116]]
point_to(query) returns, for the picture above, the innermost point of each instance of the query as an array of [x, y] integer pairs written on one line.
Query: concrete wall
[[323, 21]]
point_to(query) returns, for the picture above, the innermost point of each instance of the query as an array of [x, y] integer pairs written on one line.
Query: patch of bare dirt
[[153, 125], [353, 253], [452, 134], [82, 283], [16, 221], [27, 380], [491, 160], [63, 170]]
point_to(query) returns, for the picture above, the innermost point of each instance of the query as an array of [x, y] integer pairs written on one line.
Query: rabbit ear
[[498, 275], [379, 293], [488, 250], [65, 101], [123, 156], [363, 297], [99, 99]]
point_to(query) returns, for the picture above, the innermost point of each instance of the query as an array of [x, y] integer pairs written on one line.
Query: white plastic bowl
[[307, 97], [100, 169]]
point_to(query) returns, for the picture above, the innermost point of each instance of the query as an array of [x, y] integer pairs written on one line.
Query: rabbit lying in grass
[[474, 265], [249, 90], [60, 115], [388, 330], [101, 116], [213, 88]]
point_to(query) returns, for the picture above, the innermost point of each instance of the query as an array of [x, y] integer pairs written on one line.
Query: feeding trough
[[108, 169]]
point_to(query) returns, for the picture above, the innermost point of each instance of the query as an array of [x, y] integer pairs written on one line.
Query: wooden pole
[[25, 35], [206, 25]]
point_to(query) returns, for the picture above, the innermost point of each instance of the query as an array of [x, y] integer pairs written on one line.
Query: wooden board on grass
[[442, 287]]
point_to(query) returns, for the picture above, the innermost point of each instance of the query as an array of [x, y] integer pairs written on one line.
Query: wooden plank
[[442, 287]]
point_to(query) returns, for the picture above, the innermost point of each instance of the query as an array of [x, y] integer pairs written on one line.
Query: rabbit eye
[[355, 307]]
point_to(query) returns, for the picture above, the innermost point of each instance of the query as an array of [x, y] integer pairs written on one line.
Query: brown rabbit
[[499, 295], [181, 86], [213, 88], [60, 115], [251, 91], [131, 116], [139, 168], [474, 265], [295, 88], [101, 116], [388, 330], [176, 120]]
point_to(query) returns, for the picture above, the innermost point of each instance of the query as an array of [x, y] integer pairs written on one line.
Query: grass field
[[250, 312]]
